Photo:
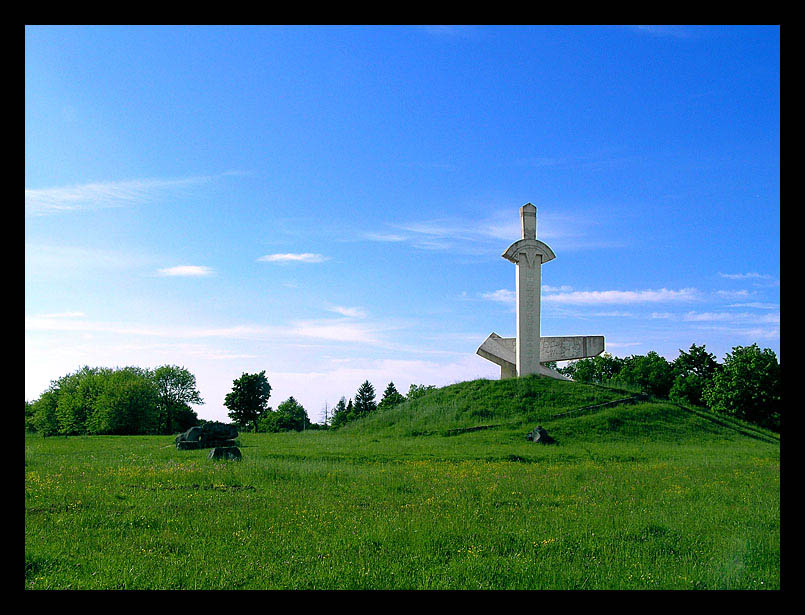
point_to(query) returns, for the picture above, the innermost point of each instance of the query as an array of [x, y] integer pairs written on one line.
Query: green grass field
[[641, 496]]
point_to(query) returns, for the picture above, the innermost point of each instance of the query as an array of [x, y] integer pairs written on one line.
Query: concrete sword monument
[[523, 355]]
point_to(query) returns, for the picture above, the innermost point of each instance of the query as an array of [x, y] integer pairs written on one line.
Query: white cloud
[[729, 317], [97, 195], [186, 271], [503, 296], [385, 237], [483, 235], [733, 294], [745, 276], [757, 305], [598, 297], [351, 312], [64, 315], [336, 330], [559, 295], [304, 257]]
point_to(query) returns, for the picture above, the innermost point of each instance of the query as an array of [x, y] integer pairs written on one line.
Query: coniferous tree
[[391, 397], [339, 413], [365, 400]]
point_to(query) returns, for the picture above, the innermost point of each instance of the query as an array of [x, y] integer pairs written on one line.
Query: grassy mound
[[442, 492], [569, 410]]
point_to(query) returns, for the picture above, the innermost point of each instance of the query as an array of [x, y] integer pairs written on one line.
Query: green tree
[[78, 393], [44, 419], [365, 400], [290, 415], [748, 386], [176, 388], [29, 417], [418, 390], [391, 397], [248, 400], [693, 369], [600, 369], [339, 414], [127, 404], [697, 361], [652, 373]]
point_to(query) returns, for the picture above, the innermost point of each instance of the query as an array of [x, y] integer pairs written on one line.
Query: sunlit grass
[[642, 496]]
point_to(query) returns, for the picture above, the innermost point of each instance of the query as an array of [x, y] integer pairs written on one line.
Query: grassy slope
[[634, 496]]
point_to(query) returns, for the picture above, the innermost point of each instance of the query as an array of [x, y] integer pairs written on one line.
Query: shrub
[[748, 386]]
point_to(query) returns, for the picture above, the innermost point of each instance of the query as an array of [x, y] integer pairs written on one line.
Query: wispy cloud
[[490, 233], [96, 195], [350, 312], [64, 315], [448, 31], [336, 330], [322, 330], [745, 276], [304, 257], [735, 317], [547, 288], [667, 31], [43, 259], [503, 295], [599, 297], [193, 271], [733, 294], [758, 305]]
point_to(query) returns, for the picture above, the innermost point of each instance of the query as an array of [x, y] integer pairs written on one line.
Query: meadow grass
[[643, 496]]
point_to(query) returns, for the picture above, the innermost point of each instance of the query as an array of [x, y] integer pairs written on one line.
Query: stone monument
[[523, 355], [210, 435]]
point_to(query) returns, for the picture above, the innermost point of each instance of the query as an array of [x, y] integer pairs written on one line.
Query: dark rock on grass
[[539, 435], [209, 435], [225, 452]]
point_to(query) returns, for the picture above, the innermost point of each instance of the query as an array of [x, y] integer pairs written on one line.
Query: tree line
[[119, 401], [747, 385], [248, 407], [132, 400]]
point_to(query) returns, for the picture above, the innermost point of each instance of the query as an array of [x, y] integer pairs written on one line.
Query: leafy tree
[[651, 372], [600, 369], [391, 397], [176, 388], [248, 400], [698, 361], [44, 419], [693, 370], [688, 389], [29, 417], [126, 404], [365, 400], [289, 416], [418, 390], [78, 393], [748, 386]]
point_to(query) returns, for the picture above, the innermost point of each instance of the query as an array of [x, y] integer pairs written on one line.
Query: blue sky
[[330, 204]]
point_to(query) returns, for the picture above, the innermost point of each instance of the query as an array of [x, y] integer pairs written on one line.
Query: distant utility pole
[[326, 415]]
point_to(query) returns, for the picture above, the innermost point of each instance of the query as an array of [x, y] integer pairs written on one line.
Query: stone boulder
[[225, 453], [538, 434], [208, 435]]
